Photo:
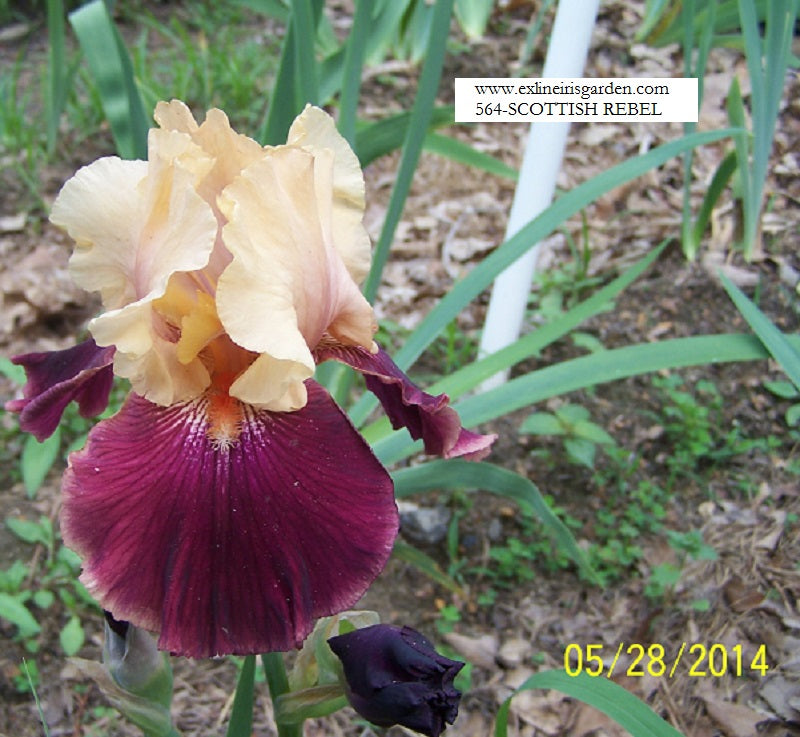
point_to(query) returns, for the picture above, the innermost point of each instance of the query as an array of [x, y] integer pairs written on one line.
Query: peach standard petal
[[313, 130], [230, 151], [94, 207], [136, 224], [287, 286]]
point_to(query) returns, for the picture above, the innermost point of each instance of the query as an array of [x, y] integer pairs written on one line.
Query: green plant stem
[[278, 683], [420, 117], [112, 70], [56, 71], [353, 62], [241, 722], [305, 33]]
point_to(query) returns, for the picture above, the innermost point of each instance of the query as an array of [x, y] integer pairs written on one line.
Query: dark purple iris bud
[[394, 676]]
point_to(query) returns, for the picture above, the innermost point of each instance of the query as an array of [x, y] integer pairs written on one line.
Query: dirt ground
[[747, 508]]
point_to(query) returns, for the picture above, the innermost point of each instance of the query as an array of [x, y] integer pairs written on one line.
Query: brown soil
[[746, 506]]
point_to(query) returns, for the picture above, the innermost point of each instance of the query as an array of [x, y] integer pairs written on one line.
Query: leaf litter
[[453, 217]]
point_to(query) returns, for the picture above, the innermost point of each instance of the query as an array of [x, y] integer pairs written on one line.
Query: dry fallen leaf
[[741, 597], [480, 651], [779, 692], [735, 720]]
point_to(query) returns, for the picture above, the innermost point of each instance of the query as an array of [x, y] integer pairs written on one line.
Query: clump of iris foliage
[[105, 80]]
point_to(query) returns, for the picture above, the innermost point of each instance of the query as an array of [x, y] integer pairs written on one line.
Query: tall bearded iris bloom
[[229, 503]]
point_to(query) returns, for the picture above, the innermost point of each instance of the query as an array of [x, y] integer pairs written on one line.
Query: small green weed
[[572, 423], [522, 555], [449, 617], [664, 577], [28, 590], [212, 57], [693, 420], [563, 285], [786, 390], [627, 504], [452, 350]]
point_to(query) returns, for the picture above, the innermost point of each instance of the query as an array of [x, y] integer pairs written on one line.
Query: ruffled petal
[[136, 223], [314, 129], [95, 206], [231, 151], [287, 285], [146, 358], [423, 415], [228, 546], [82, 373]]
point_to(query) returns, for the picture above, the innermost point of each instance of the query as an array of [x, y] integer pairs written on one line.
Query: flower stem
[[279, 684]]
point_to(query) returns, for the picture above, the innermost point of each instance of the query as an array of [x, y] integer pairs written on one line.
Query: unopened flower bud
[[135, 663], [394, 676], [135, 677]]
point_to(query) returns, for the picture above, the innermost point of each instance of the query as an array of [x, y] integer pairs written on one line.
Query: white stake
[[566, 57]]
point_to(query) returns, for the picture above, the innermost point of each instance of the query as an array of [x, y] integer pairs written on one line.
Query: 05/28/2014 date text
[[699, 660]]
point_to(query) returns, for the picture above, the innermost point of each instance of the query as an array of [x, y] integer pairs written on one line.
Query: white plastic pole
[[566, 57]]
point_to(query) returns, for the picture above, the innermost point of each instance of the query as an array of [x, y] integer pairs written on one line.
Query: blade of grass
[[766, 65], [458, 474], [773, 339], [736, 114], [425, 564], [605, 366], [387, 19], [353, 64], [284, 104], [580, 373], [412, 146], [714, 191], [282, 107], [273, 8], [726, 20], [112, 70], [473, 16], [537, 229], [241, 721], [693, 66], [463, 153], [471, 375], [601, 693], [32, 686], [655, 19], [305, 31], [413, 34], [533, 32], [751, 193], [373, 140], [56, 71], [278, 683]]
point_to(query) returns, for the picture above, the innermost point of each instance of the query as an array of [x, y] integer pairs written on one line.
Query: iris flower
[[230, 502]]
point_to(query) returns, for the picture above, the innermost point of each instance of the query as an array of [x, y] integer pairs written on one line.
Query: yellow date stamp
[[695, 659]]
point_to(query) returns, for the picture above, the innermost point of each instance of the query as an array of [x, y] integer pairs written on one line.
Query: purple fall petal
[[233, 549], [425, 416], [83, 373]]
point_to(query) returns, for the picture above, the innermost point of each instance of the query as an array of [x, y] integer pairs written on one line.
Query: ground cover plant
[[616, 543]]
